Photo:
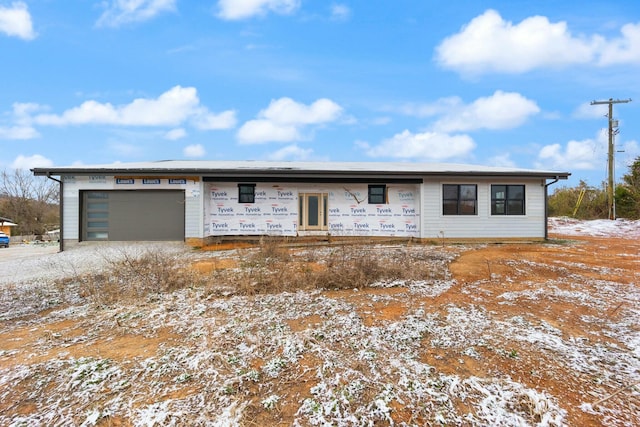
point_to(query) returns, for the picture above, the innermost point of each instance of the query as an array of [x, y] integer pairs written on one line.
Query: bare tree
[[28, 200]]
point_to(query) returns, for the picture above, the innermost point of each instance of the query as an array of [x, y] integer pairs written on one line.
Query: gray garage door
[[133, 215]]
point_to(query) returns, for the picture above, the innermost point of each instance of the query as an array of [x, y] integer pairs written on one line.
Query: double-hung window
[[459, 199], [377, 194], [246, 193], [507, 200]]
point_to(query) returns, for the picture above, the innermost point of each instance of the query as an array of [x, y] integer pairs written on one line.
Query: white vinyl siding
[[483, 225], [194, 213], [71, 215]]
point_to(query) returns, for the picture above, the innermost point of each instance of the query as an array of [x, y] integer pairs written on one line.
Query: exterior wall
[[193, 212], [350, 214], [273, 213], [276, 210], [6, 229], [74, 184], [532, 225], [413, 210]]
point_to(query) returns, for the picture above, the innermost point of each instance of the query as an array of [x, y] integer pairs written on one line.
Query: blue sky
[[498, 83]]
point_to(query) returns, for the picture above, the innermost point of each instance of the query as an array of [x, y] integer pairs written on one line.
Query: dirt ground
[[481, 276], [582, 257], [489, 266]]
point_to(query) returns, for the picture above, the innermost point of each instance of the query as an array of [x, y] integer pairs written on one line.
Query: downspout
[[546, 207], [61, 239]]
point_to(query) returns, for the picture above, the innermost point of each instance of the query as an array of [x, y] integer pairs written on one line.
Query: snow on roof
[[5, 222], [269, 167]]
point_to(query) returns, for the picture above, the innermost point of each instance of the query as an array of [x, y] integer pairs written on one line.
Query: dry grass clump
[[135, 276], [274, 268], [360, 266]]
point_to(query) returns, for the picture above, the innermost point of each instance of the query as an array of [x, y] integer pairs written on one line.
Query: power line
[[613, 130]]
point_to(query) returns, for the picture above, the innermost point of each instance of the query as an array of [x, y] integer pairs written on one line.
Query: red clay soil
[[583, 256], [490, 265]]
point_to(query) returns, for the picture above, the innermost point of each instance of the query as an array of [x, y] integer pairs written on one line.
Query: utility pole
[[613, 129]]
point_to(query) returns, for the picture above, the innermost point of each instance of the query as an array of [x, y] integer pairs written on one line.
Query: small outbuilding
[[6, 225], [200, 201]]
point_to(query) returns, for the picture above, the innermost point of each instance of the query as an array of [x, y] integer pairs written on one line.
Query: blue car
[[4, 240]]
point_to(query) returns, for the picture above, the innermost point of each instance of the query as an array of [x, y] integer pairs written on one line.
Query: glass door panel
[[313, 211], [313, 214]]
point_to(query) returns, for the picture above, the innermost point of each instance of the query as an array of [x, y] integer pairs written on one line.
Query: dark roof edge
[[300, 173]]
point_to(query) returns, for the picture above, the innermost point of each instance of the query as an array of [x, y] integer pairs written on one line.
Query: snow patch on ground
[[621, 228], [338, 369]]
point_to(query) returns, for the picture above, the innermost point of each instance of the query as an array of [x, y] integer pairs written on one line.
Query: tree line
[[29, 201], [587, 202]]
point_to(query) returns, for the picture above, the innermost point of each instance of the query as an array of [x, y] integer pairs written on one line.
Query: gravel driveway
[[18, 252], [29, 263]]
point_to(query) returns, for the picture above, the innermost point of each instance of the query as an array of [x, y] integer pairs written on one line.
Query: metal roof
[[268, 168]]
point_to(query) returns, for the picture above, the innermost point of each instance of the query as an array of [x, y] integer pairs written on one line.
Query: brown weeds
[[272, 267], [137, 277]]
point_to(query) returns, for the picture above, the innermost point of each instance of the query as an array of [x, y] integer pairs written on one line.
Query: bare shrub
[[349, 267], [137, 276], [274, 268], [273, 248]]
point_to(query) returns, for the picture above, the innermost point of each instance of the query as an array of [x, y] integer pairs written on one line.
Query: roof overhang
[[216, 170]]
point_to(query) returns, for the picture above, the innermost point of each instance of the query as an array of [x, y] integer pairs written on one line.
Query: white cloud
[[431, 146], [623, 50], [440, 106], [288, 111], [586, 154], [18, 132], [35, 161], [196, 150], [588, 111], [175, 134], [259, 131], [502, 110], [172, 108], [121, 12], [169, 109], [340, 12], [211, 121], [22, 128], [291, 152], [488, 43], [242, 9], [631, 151], [284, 119], [15, 21], [23, 110]]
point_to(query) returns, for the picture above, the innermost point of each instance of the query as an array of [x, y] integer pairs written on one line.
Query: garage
[[154, 215]]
